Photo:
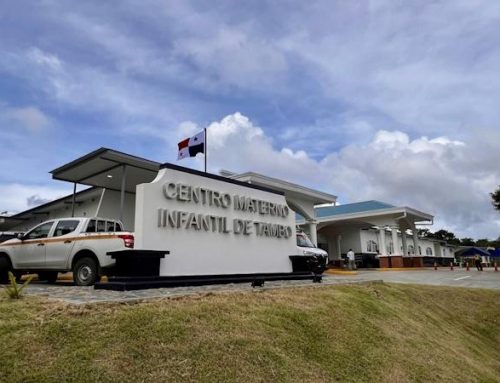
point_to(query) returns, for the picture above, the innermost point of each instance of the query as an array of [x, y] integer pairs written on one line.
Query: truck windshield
[[304, 241]]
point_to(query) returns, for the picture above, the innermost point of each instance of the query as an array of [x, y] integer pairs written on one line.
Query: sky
[[396, 101]]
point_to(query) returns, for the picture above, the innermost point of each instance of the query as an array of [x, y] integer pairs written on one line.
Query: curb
[[402, 269], [340, 272]]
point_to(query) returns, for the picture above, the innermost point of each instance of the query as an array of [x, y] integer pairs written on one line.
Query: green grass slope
[[358, 333]]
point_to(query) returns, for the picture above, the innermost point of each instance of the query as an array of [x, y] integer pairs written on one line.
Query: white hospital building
[[381, 235]]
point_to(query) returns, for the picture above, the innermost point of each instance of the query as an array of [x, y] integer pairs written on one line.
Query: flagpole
[[205, 149]]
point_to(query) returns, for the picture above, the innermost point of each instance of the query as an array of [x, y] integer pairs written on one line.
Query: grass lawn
[[359, 333]]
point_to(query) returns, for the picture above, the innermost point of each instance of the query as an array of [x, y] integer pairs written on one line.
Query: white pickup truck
[[67, 244]]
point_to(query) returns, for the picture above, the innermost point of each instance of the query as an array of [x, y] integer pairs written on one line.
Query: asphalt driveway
[[487, 279]]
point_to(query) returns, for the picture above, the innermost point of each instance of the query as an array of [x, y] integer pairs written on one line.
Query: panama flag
[[190, 147]]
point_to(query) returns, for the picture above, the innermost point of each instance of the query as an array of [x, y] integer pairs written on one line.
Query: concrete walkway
[[65, 291]]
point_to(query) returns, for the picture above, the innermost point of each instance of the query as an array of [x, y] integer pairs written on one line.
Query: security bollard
[[467, 266], [451, 266], [435, 266]]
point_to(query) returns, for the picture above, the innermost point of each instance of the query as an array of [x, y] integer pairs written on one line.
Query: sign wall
[[212, 225]]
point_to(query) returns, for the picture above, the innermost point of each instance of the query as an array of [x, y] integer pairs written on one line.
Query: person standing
[[351, 259], [477, 261]]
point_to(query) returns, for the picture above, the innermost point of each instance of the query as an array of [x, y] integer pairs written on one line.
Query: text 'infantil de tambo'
[[177, 219]]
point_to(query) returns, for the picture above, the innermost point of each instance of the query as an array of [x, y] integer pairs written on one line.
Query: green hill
[[355, 333]]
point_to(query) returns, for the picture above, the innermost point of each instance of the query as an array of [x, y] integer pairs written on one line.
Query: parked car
[[6, 235], [305, 247], [67, 244]]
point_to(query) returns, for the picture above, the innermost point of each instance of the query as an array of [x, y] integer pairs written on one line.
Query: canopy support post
[[122, 191], [73, 200]]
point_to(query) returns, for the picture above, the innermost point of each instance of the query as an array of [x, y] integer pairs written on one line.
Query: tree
[[483, 242], [424, 233], [445, 235], [495, 197], [467, 242]]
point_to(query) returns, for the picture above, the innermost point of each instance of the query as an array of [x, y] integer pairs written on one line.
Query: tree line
[[449, 237]]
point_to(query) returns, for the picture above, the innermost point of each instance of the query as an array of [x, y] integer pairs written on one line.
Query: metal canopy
[[105, 168]]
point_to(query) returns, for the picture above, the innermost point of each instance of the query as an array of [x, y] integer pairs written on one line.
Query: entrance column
[[338, 261], [415, 241], [382, 249], [417, 258], [312, 231], [395, 242], [405, 246], [407, 261], [396, 258]]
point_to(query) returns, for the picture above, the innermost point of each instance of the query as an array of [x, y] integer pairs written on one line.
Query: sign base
[[139, 283]]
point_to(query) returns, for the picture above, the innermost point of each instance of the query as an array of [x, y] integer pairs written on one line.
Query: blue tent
[[495, 253], [471, 251]]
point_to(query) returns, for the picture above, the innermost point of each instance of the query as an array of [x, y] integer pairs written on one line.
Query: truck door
[[61, 243], [31, 251]]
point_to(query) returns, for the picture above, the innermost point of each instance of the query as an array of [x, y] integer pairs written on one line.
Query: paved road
[[65, 291], [488, 279]]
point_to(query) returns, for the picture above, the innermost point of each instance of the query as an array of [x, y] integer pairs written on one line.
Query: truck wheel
[[85, 272], [49, 276], [4, 270]]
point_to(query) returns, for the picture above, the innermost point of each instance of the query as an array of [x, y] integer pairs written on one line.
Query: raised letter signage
[[212, 225]]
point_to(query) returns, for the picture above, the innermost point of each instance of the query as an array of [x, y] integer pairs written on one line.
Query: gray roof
[[105, 168], [357, 207]]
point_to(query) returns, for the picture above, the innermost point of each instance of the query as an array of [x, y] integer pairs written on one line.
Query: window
[[428, 251], [304, 241], [411, 249], [419, 250], [91, 226], [371, 246], [101, 226], [41, 231], [118, 227], [110, 226], [65, 227]]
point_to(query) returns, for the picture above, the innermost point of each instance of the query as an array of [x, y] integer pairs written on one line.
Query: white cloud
[[16, 197], [44, 58], [29, 117], [434, 175], [235, 143], [362, 99], [234, 57]]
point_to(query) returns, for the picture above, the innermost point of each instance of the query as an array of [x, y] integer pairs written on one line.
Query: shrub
[[14, 289]]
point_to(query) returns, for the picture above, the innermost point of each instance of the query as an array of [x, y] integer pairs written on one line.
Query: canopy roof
[[471, 251], [369, 213], [494, 252], [105, 168]]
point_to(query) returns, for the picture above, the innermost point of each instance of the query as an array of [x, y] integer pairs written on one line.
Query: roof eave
[[317, 196], [374, 213]]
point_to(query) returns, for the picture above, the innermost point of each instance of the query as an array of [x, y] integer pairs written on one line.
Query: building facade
[[379, 233]]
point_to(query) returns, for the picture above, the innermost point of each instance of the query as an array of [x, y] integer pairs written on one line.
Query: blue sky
[[396, 101]]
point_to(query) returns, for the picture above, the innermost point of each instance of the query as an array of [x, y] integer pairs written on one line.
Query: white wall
[[357, 239], [195, 251], [110, 208]]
